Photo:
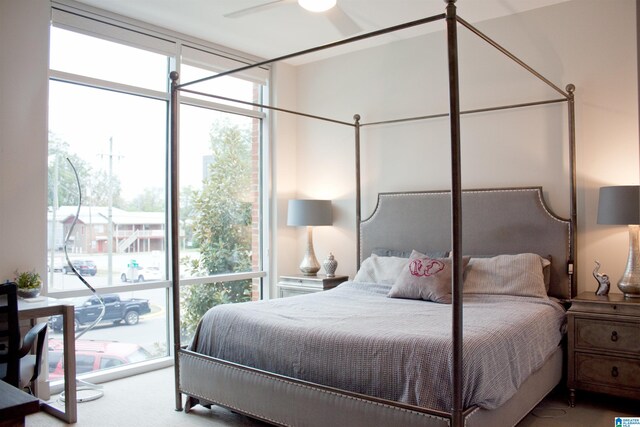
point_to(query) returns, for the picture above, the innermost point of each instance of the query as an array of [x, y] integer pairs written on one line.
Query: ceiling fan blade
[[253, 9], [342, 21]]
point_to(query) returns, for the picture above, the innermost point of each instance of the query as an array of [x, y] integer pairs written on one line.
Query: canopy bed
[[352, 368]]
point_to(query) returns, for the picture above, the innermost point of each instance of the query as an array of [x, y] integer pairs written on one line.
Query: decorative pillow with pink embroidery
[[425, 278]]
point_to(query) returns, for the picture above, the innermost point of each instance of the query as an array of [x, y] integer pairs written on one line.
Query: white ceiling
[[284, 27]]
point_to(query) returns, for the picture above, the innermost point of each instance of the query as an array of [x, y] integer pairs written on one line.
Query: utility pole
[[54, 211], [110, 217], [110, 214]]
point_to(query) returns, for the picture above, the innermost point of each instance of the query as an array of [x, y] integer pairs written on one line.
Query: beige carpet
[[140, 401], [148, 400]]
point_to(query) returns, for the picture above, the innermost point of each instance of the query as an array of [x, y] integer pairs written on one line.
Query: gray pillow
[[425, 278], [546, 267], [380, 269], [520, 275], [407, 253]]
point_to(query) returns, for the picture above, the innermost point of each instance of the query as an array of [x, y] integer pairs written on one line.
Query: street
[[149, 333], [102, 345], [120, 262]]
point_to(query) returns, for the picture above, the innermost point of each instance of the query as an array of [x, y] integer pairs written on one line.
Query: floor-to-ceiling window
[[109, 179], [220, 180]]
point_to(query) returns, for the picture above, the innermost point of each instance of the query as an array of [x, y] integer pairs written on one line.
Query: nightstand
[[299, 284], [604, 345]]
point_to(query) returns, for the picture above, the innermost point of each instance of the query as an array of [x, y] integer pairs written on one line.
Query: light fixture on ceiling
[[334, 13], [317, 5]]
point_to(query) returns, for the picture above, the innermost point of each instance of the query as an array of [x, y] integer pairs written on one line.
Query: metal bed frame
[[451, 19]]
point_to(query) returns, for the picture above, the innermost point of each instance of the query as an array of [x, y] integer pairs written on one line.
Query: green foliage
[[27, 280], [150, 200], [61, 179], [100, 185], [62, 183], [221, 223], [187, 212]]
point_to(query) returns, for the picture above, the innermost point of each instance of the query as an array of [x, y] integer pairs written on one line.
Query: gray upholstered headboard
[[494, 221]]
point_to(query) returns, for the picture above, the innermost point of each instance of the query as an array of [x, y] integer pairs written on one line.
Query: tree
[[221, 224], [152, 199], [100, 185], [187, 212], [62, 180]]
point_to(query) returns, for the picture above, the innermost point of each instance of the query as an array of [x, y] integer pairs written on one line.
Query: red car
[[94, 355]]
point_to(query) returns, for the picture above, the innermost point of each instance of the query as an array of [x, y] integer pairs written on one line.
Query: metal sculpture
[[603, 281], [82, 385]]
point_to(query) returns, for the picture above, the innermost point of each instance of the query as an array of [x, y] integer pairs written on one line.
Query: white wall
[[24, 31], [284, 253], [588, 43]]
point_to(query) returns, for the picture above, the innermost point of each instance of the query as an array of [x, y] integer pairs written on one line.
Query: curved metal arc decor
[[82, 385]]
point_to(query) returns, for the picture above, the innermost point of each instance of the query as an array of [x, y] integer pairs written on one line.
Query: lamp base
[[629, 284], [309, 265], [314, 272]]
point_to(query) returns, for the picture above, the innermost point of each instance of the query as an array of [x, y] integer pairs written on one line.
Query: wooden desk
[[45, 307], [15, 404]]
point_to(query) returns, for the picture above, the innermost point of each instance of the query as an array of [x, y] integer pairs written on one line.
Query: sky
[[88, 119]]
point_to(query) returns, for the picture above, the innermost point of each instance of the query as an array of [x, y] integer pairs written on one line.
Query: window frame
[[98, 23]]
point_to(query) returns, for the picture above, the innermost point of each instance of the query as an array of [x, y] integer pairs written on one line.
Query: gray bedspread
[[355, 338]]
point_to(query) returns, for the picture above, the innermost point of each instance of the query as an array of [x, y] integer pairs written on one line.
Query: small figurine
[[603, 281]]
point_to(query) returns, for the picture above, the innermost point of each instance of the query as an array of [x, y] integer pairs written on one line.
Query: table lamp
[[620, 205], [309, 213]]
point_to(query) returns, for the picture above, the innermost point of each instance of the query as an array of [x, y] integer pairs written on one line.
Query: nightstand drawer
[[298, 285], [609, 371], [596, 334], [604, 345], [291, 292]]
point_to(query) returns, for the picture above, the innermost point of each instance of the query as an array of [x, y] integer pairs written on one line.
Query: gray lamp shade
[[309, 212], [619, 205]]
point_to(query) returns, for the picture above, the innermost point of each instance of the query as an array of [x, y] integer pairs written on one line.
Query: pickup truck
[[87, 309]]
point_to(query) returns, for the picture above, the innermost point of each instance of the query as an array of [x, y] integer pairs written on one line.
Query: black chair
[[18, 366]]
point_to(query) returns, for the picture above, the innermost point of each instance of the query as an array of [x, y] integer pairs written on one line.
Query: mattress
[[355, 338]]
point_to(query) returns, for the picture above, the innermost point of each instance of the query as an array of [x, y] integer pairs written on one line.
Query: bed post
[[572, 267], [175, 265], [356, 118], [456, 213]]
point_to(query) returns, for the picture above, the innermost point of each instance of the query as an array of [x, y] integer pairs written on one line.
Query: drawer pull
[[614, 372], [614, 336]]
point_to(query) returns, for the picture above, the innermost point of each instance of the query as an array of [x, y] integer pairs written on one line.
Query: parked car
[[94, 355], [57, 265], [88, 309], [141, 274], [84, 266]]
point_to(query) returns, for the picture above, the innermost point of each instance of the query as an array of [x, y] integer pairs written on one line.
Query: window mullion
[[65, 77], [257, 114]]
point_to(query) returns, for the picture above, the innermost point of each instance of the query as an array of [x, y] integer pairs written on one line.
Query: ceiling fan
[[336, 15]]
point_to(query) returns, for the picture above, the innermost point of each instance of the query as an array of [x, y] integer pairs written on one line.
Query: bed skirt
[[284, 401]]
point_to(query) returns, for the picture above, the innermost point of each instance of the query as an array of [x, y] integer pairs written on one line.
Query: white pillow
[[380, 269], [519, 275]]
